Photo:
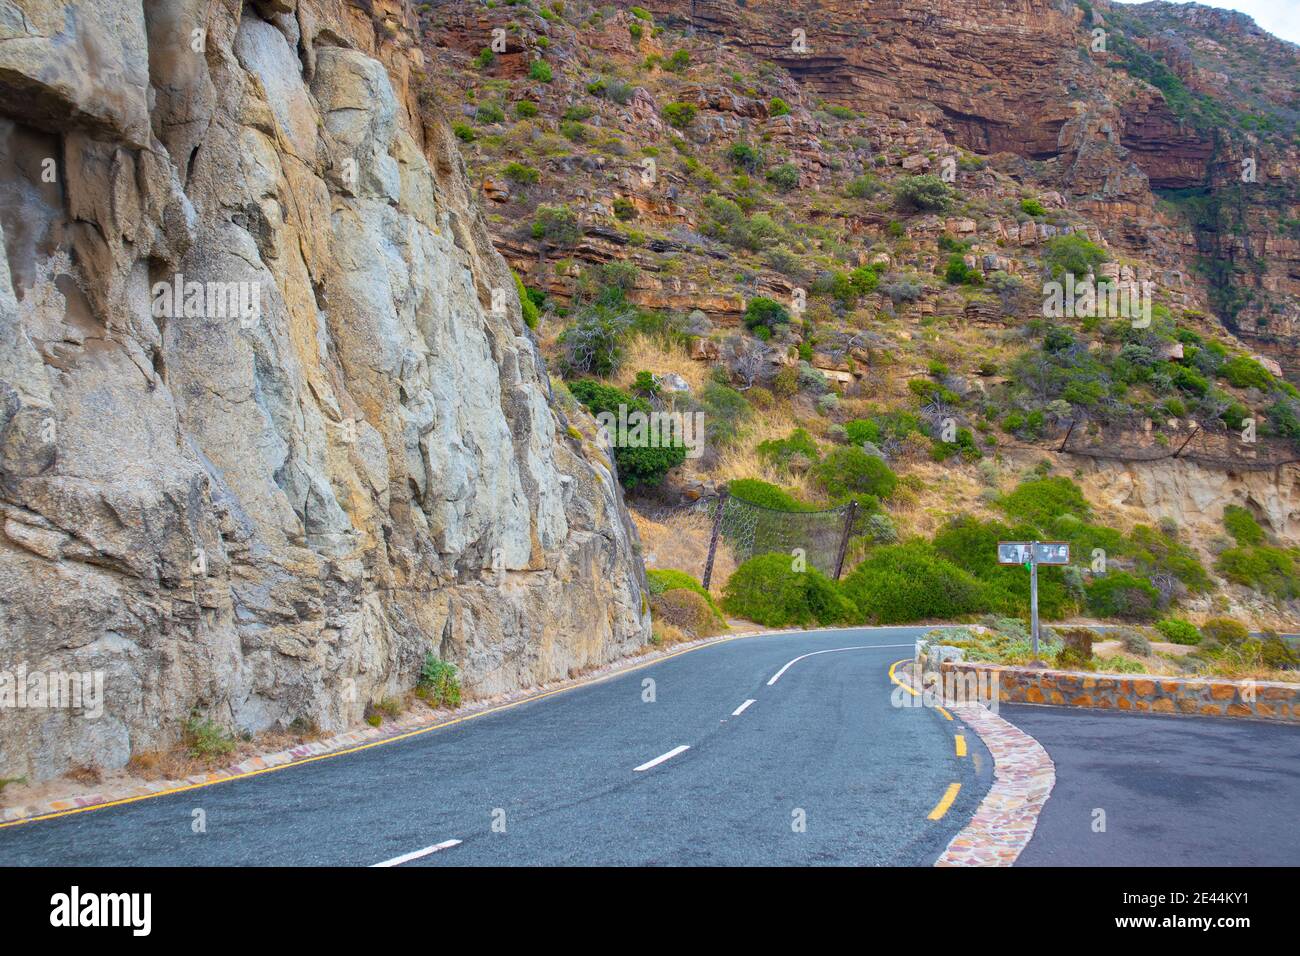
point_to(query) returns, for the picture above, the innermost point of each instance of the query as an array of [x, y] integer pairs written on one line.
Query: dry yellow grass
[[681, 541], [646, 353]]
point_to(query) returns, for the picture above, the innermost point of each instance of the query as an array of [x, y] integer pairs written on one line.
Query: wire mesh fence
[[1231, 450], [713, 536]]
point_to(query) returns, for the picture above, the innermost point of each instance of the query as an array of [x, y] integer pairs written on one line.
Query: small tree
[[762, 312]]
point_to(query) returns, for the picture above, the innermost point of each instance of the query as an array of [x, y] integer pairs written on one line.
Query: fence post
[[844, 538], [713, 538]]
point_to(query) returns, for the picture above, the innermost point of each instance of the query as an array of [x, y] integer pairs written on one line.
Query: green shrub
[[768, 591], [1241, 524], [526, 109], [557, 225], [573, 131], [688, 611], [624, 209], [1040, 501], [1178, 631], [1134, 641], [1072, 253], [850, 471], [1242, 371], [205, 738], [524, 175], [464, 132], [1032, 207], [780, 450], [971, 544], [540, 71], [639, 462], [778, 107], [923, 193], [958, 273], [1224, 631], [863, 187], [489, 113], [784, 177], [1264, 568], [439, 683], [901, 583], [1121, 595], [670, 579], [526, 304], [725, 412], [768, 495], [594, 344], [765, 312], [679, 115], [679, 62]]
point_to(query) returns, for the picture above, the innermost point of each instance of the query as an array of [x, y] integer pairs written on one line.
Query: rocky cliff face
[[273, 507]]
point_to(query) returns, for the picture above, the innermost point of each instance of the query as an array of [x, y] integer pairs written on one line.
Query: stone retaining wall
[[1209, 697]]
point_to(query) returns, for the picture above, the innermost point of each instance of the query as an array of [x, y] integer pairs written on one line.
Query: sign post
[[1031, 554]]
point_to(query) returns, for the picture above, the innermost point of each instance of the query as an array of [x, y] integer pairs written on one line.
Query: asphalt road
[[820, 769], [1175, 791]]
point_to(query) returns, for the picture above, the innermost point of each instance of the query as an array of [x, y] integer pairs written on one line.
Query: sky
[[1279, 17]]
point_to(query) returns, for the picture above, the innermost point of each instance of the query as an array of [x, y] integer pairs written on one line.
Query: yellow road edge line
[[945, 802], [375, 743], [960, 743], [906, 687], [945, 713]]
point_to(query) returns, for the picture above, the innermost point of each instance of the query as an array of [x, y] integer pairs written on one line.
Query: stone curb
[[1023, 778]]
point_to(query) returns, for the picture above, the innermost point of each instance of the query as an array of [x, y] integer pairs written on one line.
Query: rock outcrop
[[271, 425]]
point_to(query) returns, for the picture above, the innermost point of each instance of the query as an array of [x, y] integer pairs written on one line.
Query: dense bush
[[850, 471], [1178, 631], [1224, 630], [639, 463], [1264, 568], [971, 544], [768, 495], [767, 590], [526, 304], [923, 193], [1241, 524], [901, 583], [557, 225], [1072, 253], [784, 177], [679, 115], [593, 345], [1042, 500], [438, 683], [540, 71], [767, 313], [687, 610], [1119, 594], [781, 450]]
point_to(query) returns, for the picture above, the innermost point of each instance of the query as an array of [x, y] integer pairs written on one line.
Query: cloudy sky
[[1279, 17]]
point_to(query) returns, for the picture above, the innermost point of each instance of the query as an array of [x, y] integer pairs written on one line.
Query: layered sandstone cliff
[[273, 516]]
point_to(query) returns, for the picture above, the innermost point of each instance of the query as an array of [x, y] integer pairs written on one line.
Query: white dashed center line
[[661, 758], [415, 855], [741, 709]]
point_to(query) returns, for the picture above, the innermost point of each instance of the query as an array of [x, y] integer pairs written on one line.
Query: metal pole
[[713, 538], [1033, 596], [844, 538]]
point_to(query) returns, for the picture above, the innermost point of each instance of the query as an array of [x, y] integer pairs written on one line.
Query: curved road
[[820, 768]]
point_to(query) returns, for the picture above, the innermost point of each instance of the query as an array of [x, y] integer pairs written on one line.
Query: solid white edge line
[[408, 857], [741, 709], [661, 758], [857, 647]]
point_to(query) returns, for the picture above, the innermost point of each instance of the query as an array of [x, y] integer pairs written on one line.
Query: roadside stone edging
[[1138, 693], [1023, 778]]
